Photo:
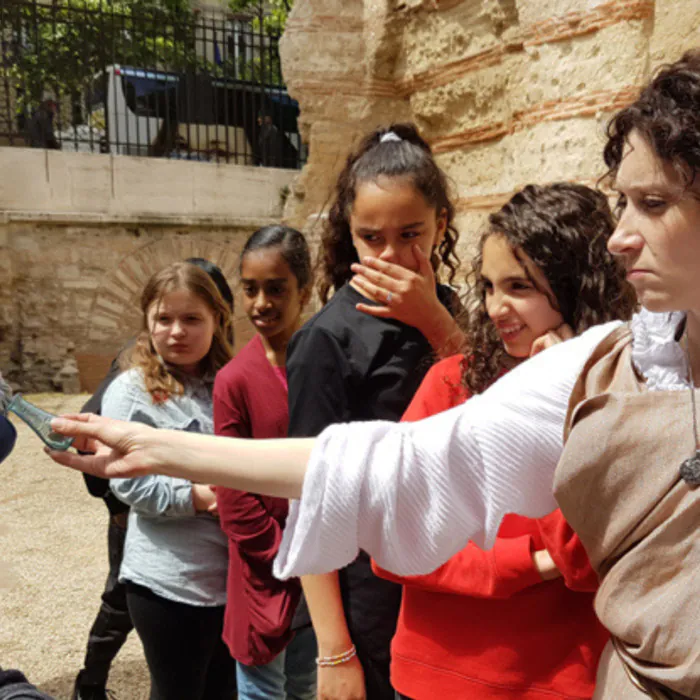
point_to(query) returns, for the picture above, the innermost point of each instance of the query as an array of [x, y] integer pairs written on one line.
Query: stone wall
[[79, 236], [507, 91]]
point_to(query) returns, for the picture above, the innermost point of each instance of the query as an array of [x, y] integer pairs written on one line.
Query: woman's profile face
[[521, 310], [658, 233]]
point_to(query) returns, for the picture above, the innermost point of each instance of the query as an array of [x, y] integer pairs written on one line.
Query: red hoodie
[[484, 625]]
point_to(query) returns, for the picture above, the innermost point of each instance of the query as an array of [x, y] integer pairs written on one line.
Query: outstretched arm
[[272, 467], [411, 495]]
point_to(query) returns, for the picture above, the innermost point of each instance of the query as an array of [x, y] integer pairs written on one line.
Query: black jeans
[[376, 669], [186, 656], [113, 623]]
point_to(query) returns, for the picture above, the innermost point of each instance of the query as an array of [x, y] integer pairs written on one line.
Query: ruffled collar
[[656, 352]]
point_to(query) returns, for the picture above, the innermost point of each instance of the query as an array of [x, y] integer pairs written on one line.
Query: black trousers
[[186, 656], [113, 623], [376, 669]]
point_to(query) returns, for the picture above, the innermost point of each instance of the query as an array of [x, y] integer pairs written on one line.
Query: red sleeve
[[440, 390], [565, 548], [498, 573], [230, 413], [243, 516], [508, 567]]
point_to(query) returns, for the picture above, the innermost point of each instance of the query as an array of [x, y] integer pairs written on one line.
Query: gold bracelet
[[343, 658]]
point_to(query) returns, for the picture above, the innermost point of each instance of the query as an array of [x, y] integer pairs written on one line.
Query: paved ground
[[53, 564]]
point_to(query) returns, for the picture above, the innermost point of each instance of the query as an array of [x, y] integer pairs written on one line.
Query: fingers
[[425, 269], [372, 291], [543, 342], [386, 282], [391, 270], [550, 338], [565, 331], [77, 425], [368, 289], [84, 417], [83, 463]]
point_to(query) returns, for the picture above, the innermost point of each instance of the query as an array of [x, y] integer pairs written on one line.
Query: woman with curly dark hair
[[605, 425], [487, 625], [363, 356]]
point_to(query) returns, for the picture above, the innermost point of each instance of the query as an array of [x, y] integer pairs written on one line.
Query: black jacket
[[95, 485]]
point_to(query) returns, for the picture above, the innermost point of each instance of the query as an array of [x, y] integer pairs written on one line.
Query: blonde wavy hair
[[162, 380]]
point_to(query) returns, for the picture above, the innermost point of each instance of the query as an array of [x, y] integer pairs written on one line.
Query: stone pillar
[[338, 59]]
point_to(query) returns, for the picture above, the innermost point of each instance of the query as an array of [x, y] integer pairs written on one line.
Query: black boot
[[82, 691]]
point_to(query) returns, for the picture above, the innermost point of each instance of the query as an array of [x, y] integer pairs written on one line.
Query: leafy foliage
[[270, 14], [60, 47]]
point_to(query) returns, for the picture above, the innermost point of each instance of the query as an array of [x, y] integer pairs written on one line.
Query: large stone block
[[585, 72], [546, 152], [676, 29]]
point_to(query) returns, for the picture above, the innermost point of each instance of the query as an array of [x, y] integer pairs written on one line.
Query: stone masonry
[[79, 236], [507, 91]]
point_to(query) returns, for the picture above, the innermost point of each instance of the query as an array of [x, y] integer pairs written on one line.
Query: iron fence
[[85, 75]]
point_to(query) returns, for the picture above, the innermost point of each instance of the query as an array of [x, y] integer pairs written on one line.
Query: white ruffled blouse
[[413, 494]]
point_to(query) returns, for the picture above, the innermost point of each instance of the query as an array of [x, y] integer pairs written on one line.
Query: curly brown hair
[[409, 157], [667, 115], [161, 380], [564, 229]]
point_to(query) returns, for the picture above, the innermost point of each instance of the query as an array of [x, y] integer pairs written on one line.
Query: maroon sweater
[[250, 401]]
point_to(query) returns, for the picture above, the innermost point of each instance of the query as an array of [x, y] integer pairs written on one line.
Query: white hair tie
[[390, 136]]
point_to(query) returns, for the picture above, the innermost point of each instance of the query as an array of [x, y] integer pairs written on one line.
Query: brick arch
[[115, 315]]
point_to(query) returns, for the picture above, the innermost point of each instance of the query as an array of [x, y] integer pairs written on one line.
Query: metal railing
[[85, 75]]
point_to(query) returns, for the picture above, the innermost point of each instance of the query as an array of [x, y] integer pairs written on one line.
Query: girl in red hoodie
[[516, 622]]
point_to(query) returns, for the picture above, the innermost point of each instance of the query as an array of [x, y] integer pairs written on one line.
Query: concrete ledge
[[61, 218], [105, 188]]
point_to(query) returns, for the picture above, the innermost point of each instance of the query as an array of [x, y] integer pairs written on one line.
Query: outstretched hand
[[117, 448], [404, 295]]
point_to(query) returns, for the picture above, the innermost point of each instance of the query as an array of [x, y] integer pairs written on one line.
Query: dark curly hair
[[410, 157], [667, 115], [564, 229]]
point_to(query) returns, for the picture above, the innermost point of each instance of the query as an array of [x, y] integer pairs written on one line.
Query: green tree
[[60, 47], [267, 19], [271, 14]]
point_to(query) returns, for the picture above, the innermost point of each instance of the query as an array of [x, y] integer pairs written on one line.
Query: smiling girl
[[353, 362], [267, 631], [175, 555], [488, 624]]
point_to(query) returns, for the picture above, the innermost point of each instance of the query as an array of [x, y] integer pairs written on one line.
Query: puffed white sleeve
[[413, 494]]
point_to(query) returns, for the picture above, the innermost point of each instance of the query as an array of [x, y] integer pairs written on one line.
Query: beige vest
[[618, 486]]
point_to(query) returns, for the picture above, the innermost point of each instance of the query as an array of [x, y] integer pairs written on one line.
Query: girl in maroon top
[[267, 630], [506, 624]]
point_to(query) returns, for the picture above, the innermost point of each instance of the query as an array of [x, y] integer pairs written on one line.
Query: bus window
[[148, 97]]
